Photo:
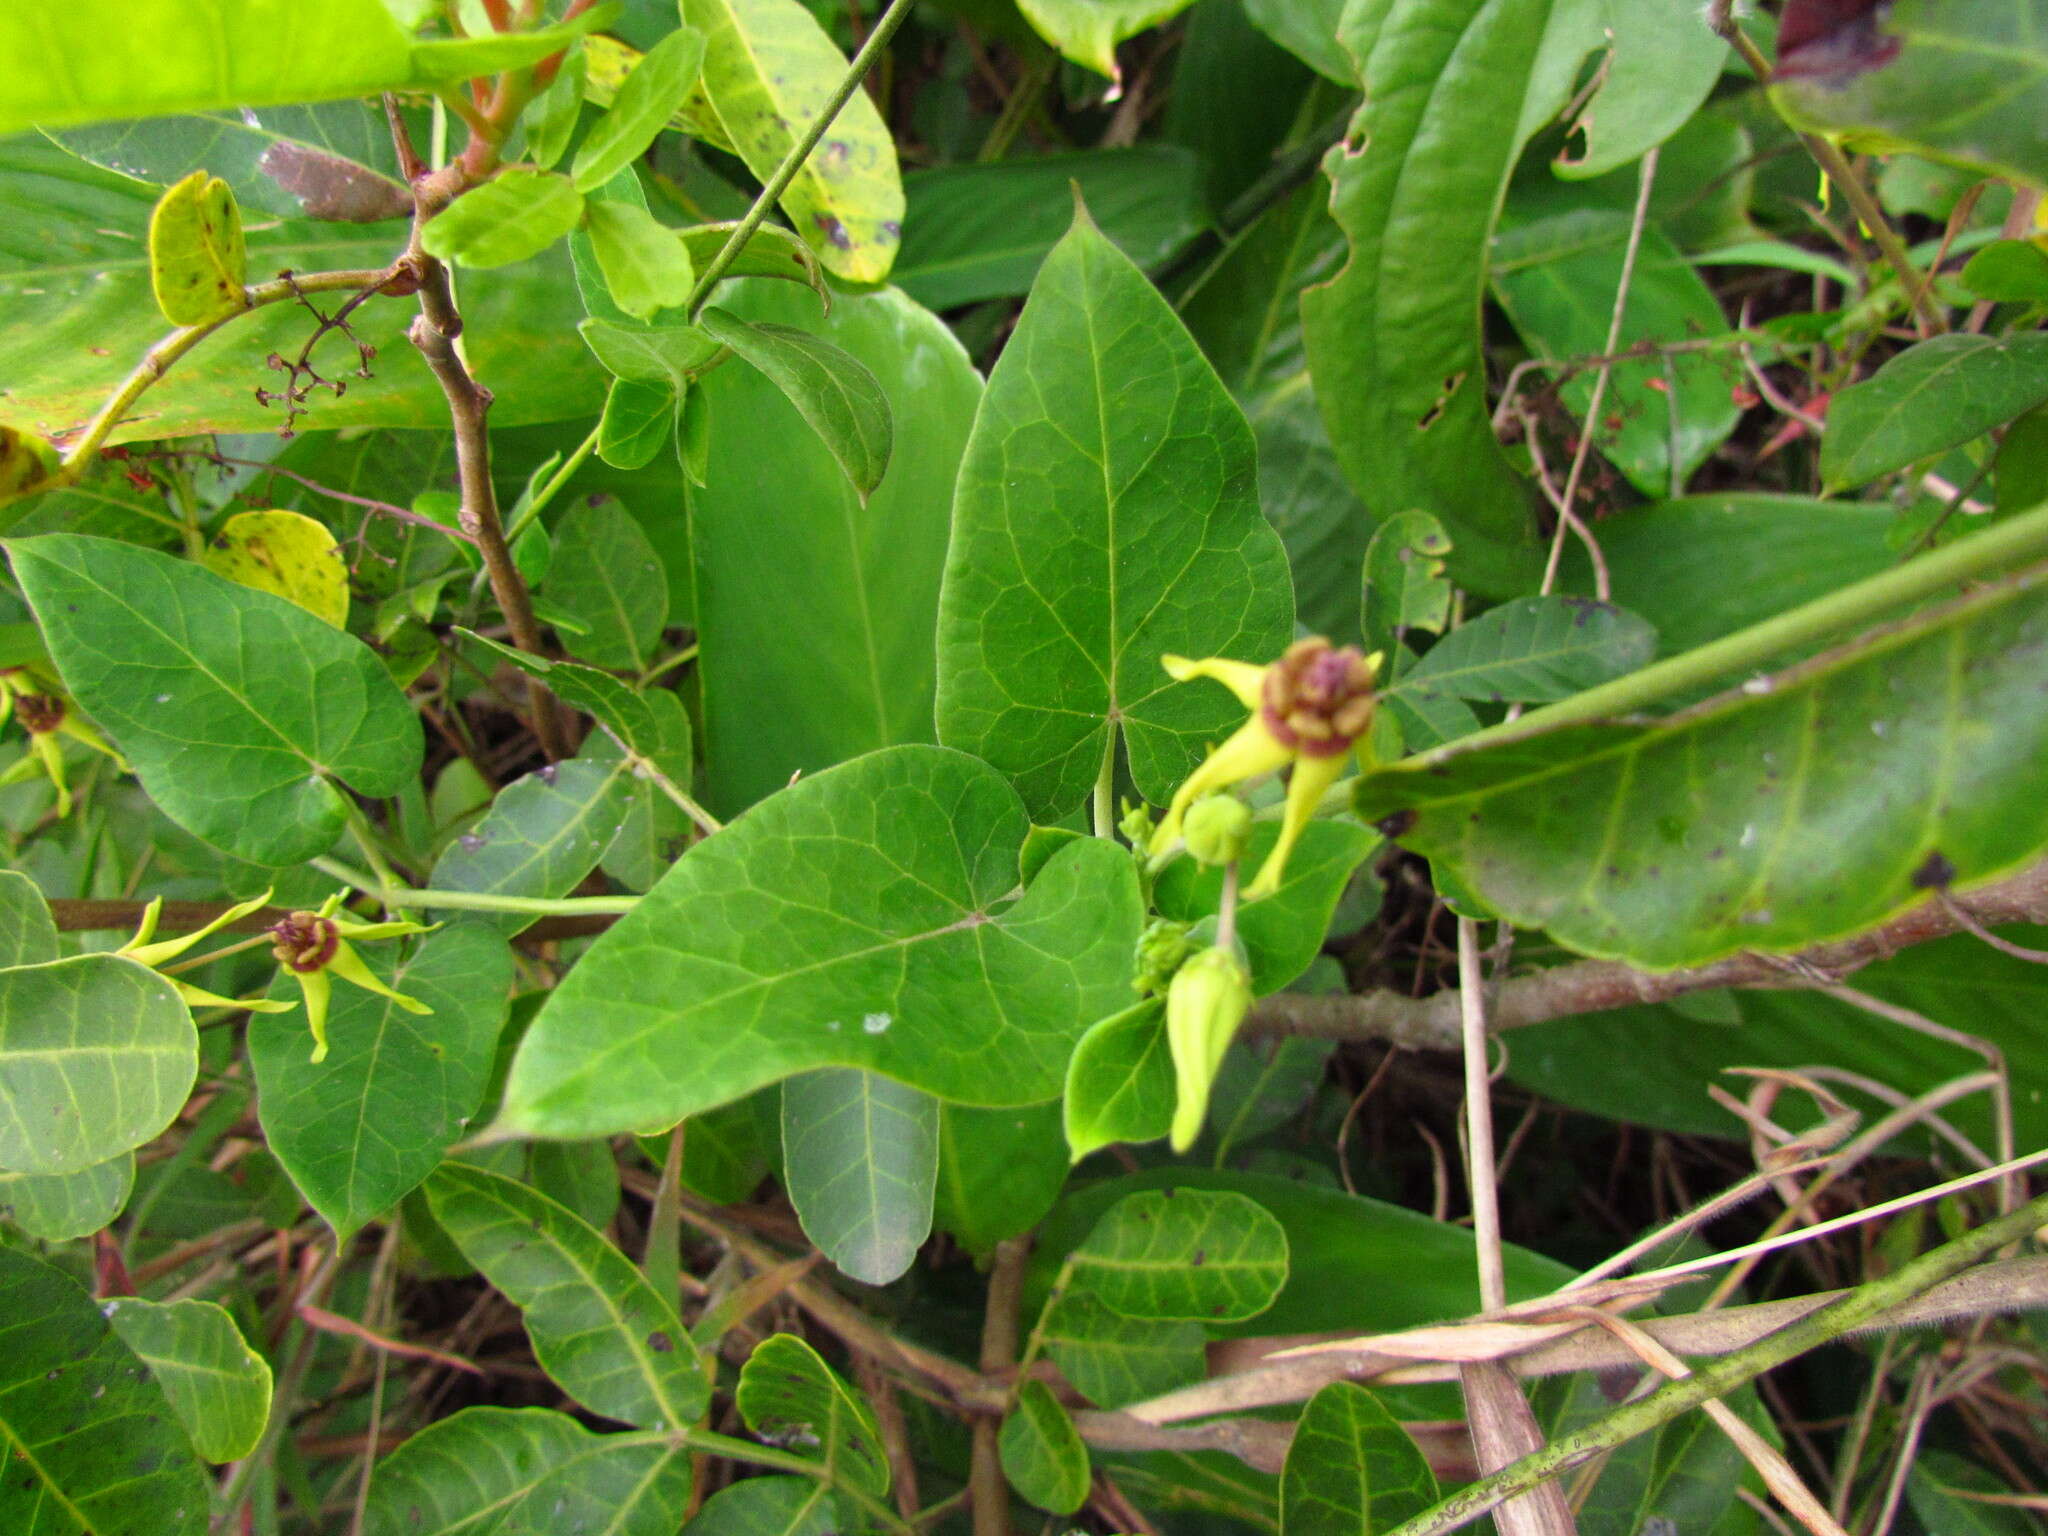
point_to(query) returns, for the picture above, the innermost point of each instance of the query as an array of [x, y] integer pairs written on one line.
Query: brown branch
[[990, 1490], [1594, 986]]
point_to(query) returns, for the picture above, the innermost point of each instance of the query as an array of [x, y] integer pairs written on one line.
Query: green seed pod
[[1206, 1003], [1217, 829]]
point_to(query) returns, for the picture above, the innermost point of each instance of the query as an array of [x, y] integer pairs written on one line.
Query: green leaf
[[980, 231], [768, 1506], [361, 1129], [97, 1056], [606, 575], [552, 116], [1451, 87], [788, 1395], [860, 1157], [847, 921], [1686, 1473], [1042, 1453], [646, 266], [516, 214], [816, 613], [1964, 84], [541, 836], [1087, 31], [1260, 1086], [1136, 532], [655, 830], [597, 1327], [1120, 1082], [110, 60], [92, 1447], [770, 251], [1113, 1360], [1664, 415], [2008, 272], [674, 355], [630, 1485], [831, 390], [56, 1207], [287, 554], [28, 934], [1939, 1486], [1405, 586], [644, 102], [216, 1384], [1534, 650], [636, 421], [235, 707], [1932, 396], [1835, 785], [1351, 1469], [629, 715], [1308, 30], [76, 313], [999, 1171], [1183, 1256], [196, 261], [1281, 933], [1662, 64], [769, 70]]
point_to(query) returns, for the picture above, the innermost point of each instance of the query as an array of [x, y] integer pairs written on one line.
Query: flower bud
[[1161, 949], [1206, 1003], [1217, 828]]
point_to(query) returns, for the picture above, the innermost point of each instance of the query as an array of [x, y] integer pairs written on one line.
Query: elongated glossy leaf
[[362, 1128], [980, 231], [646, 265], [1282, 932], [999, 1171], [111, 60], [516, 214], [787, 1393], [216, 1384], [606, 575], [1930, 397], [235, 707], [1113, 1360], [97, 1055], [541, 836], [597, 1326], [1835, 788], [57, 1207], [1393, 339], [1183, 1256], [867, 939], [93, 1449], [1967, 84], [1351, 1469], [288, 554], [860, 1158], [622, 1485], [831, 389], [460, 1475], [816, 613], [1042, 1453], [1120, 1083], [768, 1506], [1107, 513], [28, 934], [76, 313], [196, 261], [1087, 31], [641, 107], [1534, 650], [769, 70]]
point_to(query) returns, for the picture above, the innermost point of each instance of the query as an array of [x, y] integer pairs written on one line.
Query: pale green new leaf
[[1534, 650], [1351, 1469], [672, 355], [97, 1055], [645, 264], [644, 102], [359, 1130], [540, 837], [93, 1449], [1087, 31], [57, 1207], [860, 1159], [216, 1384], [788, 1394], [638, 414], [855, 919], [1120, 1082], [831, 389], [607, 576], [597, 1327], [1107, 513], [769, 69], [1183, 1255], [1932, 396], [516, 214], [235, 707], [1042, 1453]]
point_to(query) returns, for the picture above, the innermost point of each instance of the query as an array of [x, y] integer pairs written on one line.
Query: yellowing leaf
[[607, 62], [286, 554], [196, 264], [26, 460]]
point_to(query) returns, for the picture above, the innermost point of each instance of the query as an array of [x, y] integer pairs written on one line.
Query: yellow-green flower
[[1205, 1003], [1309, 709], [314, 948], [146, 949], [46, 713]]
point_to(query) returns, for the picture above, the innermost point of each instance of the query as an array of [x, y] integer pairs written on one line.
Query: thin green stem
[[533, 508], [785, 173], [366, 839], [1722, 1376], [396, 896]]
